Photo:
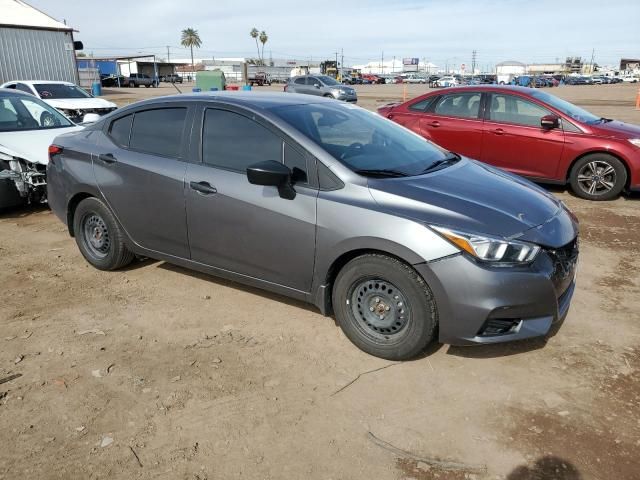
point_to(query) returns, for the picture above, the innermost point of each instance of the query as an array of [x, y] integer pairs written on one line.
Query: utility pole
[[337, 72], [168, 55], [393, 65], [341, 63], [473, 62], [593, 53]]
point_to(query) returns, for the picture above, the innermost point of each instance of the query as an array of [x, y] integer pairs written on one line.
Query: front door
[[244, 228], [514, 139], [140, 170], [454, 122]]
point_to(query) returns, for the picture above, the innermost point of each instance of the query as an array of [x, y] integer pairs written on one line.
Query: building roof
[[16, 13], [510, 63]]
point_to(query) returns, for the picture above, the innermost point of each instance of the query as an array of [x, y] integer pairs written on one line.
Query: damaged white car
[[27, 128]]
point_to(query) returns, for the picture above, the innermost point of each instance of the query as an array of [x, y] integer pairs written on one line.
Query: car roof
[[487, 88], [14, 93], [262, 100], [37, 82]]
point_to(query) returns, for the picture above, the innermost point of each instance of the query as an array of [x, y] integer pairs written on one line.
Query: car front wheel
[[598, 176], [99, 237], [384, 307]]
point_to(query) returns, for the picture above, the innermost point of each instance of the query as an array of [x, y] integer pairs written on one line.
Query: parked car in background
[[531, 133], [114, 81], [171, 78], [321, 85], [327, 203], [630, 78], [68, 98], [414, 78], [446, 81], [27, 128], [142, 79], [259, 78]]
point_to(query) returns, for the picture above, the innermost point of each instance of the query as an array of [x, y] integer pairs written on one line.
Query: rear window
[[49, 91], [158, 131]]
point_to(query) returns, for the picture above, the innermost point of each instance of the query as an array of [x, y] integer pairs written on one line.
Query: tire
[[107, 250], [147, 85], [404, 318], [327, 95], [605, 171]]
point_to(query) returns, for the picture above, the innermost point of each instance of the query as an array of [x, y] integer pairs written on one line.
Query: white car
[[446, 82], [415, 79], [629, 79], [71, 100], [27, 128]]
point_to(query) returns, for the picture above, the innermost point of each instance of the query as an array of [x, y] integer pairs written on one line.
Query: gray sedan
[[324, 202], [321, 85]]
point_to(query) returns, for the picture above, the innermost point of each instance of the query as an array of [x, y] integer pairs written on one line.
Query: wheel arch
[[605, 152], [72, 205]]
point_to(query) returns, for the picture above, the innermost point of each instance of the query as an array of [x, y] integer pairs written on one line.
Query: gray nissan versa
[[324, 202]]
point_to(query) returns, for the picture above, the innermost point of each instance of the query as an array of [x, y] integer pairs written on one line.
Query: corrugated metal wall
[[29, 54]]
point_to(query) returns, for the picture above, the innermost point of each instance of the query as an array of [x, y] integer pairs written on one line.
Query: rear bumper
[[481, 305]]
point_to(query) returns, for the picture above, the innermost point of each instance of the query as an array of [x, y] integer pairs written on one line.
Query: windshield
[[48, 91], [328, 80], [362, 140], [22, 112], [567, 108]]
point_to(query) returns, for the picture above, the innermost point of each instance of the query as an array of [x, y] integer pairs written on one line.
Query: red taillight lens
[[54, 150]]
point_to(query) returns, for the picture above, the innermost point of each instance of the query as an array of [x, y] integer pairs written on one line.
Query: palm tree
[[190, 38], [254, 34], [263, 39]]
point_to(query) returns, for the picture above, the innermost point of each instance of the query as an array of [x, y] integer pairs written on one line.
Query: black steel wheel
[[384, 307], [99, 237], [598, 176]]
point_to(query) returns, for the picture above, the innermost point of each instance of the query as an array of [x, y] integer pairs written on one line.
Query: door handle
[[107, 157], [435, 124], [498, 131], [203, 188]]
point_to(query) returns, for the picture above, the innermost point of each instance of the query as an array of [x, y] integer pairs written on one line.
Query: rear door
[[454, 122], [140, 169], [244, 228], [409, 115], [514, 139]]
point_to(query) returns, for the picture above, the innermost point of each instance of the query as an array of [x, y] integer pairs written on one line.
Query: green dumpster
[[208, 79]]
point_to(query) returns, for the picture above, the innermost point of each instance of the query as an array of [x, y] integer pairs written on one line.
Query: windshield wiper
[[380, 172], [450, 158]]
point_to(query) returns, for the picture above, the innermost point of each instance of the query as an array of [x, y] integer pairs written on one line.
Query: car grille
[[565, 260]]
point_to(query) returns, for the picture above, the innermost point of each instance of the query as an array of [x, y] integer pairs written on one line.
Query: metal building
[[34, 46]]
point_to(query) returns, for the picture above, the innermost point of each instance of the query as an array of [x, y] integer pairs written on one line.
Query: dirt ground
[[159, 372]]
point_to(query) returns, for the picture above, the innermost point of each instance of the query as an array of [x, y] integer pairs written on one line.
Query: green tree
[[254, 34], [263, 39], [190, 38]]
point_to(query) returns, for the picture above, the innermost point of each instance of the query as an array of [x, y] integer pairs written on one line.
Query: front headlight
[[635, 141], [488, 249]]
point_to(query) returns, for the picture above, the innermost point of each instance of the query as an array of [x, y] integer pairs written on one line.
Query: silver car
[[324, 202], [323, 86]]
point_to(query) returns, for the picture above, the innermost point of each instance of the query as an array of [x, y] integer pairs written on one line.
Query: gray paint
[[37, 54], [249, 234]]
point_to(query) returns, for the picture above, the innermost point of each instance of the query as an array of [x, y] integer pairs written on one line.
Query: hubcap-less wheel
[[96, 235], [380, 308], [597, 177]]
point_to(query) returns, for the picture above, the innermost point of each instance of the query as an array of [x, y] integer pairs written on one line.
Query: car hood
[[79, 103], [31, 145], [617, 129], [475, 198]]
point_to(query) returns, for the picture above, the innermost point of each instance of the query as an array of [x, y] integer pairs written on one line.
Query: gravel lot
[[160, 372]]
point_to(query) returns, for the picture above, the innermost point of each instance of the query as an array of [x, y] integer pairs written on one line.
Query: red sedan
[[531, 133]]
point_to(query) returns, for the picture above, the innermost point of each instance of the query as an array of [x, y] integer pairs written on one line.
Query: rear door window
[[299, 81], [158, 131], [120, 129], [463, 105]]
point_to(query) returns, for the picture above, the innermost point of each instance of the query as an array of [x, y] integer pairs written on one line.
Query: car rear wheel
[[384, 307], [598, 176], [99, 237]]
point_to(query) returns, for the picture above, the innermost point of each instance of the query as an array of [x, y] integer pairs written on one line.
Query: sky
[[440, 31]]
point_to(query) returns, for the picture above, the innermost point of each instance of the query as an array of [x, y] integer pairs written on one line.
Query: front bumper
[[352, 98], [478, 304]]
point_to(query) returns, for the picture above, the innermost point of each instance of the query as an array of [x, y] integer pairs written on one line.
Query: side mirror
[[317, 85], [549, 122], [90, 118], [274, 174]]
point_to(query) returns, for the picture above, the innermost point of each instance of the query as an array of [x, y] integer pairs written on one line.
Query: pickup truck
[[137, 79], [259, 78], [171, 78]]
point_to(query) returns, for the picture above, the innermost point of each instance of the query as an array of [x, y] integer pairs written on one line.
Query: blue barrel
[[246, 87], [196, 89], [213, 89], [96, 89]]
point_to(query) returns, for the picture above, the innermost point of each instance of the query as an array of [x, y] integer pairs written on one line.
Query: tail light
[[53, 151]]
